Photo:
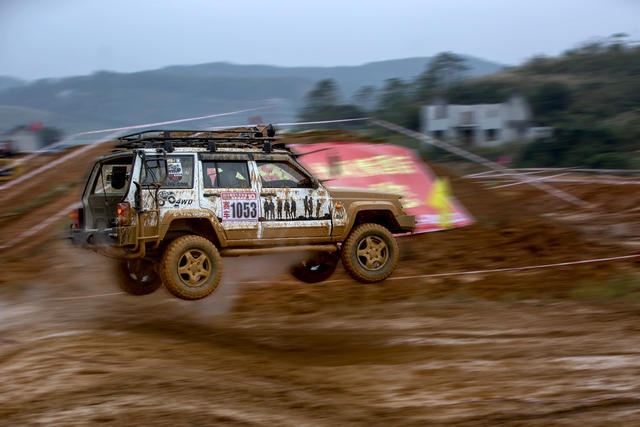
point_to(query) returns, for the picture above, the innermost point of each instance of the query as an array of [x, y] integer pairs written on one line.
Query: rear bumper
[[407, 223], [89, 238]]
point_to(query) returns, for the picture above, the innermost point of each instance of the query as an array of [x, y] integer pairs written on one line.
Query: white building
[[481, 124], [22, 139]]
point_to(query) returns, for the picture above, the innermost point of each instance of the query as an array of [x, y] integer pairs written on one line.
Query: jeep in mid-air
[[168, 204]]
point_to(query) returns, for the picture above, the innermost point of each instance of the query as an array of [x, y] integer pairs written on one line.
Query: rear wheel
[[137, 276], [316, 268], [370, 253], [191, 267]]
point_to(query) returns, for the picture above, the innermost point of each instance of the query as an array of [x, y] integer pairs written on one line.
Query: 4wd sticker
[[240, 206], [169, 199]]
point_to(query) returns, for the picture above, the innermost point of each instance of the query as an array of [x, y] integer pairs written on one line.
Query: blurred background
[[527, 315]]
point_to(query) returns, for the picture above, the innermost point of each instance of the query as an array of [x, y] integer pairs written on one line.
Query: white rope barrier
[[116, 131], [485, 162]]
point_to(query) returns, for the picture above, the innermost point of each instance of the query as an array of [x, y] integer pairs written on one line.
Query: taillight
[[124, 214], [74, 218]]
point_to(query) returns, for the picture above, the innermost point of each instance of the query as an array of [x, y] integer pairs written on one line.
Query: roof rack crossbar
[[249, 137], [251, 132]]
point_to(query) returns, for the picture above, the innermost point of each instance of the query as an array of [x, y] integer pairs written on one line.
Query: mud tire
[[175, 267], [385, 249], [317, 268], [137, 276]]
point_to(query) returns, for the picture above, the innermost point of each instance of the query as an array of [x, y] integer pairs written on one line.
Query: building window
[[441, 112], [466, 117], [492, 134]]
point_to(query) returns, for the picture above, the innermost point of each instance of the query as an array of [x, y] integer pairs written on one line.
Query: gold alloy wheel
[[194, 267], [372, 253]]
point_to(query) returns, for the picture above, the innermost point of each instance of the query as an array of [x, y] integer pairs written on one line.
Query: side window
[[179, 172], [225, 174], [282, 175]]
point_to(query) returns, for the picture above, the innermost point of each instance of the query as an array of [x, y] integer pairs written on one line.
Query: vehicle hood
[[351, 193]]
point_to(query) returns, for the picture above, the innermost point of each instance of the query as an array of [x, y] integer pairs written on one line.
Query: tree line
[[590, 95]]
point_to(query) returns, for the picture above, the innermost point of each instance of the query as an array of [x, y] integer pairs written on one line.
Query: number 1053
[[244, 209]]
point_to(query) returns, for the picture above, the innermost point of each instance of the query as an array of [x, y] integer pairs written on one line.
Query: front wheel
[[137, 276], [317, 268], [370, 253], [191, 267]]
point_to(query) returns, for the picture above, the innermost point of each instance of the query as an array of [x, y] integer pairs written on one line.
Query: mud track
[[75, 352], [503, 348]]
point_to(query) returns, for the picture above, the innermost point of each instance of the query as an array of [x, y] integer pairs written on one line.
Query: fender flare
[[191, 214]]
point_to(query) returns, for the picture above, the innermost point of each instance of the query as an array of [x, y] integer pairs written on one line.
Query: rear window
[[112, 176]]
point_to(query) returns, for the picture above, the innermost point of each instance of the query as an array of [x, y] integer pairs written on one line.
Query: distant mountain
[[349, 78], [108, 99], [7, 82]]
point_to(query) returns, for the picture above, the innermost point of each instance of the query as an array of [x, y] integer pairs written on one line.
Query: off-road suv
[[168, 204]]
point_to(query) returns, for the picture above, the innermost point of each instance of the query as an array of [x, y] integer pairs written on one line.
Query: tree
[[549, 99], [49, 135], [365, 97], [396, 105], [444, 69], [324, 94], [323, 103]]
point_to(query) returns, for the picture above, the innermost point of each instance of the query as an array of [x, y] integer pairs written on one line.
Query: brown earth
[[481, 349]]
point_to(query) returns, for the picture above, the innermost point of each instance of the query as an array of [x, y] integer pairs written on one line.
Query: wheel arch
[[383, 214], [179, 224]]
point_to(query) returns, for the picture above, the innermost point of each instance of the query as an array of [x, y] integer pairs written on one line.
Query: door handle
[[211, 194], [268, 194]]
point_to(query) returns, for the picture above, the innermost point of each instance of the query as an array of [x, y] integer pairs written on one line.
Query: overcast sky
[[55, 38]]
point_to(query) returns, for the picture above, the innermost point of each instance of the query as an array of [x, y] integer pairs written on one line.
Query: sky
[[57, 38]]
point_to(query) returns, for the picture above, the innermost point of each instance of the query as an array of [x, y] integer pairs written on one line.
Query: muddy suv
[[168, 204]]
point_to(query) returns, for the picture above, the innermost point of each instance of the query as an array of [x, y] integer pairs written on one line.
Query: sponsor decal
[[240, 206]]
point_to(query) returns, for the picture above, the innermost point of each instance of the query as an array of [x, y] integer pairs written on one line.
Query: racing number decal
[[242, 210], [237, 206]]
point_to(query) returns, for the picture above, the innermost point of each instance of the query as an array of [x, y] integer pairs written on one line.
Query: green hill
[[108, 99]]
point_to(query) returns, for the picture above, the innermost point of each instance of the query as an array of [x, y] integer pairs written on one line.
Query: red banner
[[388, 168]]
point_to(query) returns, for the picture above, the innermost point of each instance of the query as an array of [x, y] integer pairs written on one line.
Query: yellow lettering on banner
[[409, 199], [368, 166], [320, 170], [440, 198]]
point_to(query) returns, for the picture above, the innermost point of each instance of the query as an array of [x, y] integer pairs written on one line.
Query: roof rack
[[249, 137]]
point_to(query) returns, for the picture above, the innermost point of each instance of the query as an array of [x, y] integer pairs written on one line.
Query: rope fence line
[[56, 162], [419, 136], [481, 160], [418, 276], [115, 131], [542, 178]]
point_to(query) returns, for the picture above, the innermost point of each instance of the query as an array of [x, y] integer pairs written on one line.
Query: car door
[[293, 207], [177, 191], [228, 190]]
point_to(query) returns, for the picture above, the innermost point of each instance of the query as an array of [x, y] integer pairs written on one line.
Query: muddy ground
[[554, 346], [278, 352]]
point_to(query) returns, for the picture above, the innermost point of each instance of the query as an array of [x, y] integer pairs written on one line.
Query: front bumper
[[407, 223]]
